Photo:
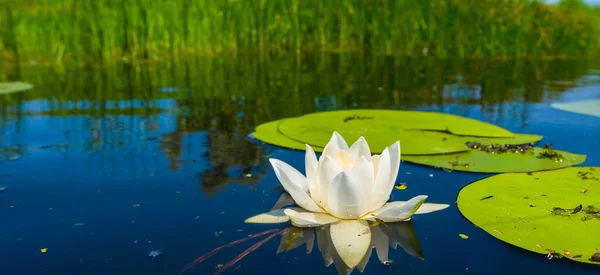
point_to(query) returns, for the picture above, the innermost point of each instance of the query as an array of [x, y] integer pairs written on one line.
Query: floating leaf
[[384, 127], [267, 132], [484, 162], [558, 226], [14, 87], [401, 186], [44, 250], [585, 107], [463, 236]]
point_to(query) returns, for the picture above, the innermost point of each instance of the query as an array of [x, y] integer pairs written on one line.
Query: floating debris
[[595, 257], [549, 153], [586, 175], [463, 236], [44, 250], [485, 198], [136, 205], [455, 163], [155, 253], [401, 186], [500, 149]]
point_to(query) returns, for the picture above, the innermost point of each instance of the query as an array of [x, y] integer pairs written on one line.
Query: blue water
[[101, 192]]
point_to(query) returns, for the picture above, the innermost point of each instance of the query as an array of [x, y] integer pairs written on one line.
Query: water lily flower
[[345, 188]]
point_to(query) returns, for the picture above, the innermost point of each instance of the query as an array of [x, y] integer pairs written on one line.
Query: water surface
[[105, 164]]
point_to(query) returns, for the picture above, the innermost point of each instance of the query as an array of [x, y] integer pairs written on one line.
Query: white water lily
[[345, 187]]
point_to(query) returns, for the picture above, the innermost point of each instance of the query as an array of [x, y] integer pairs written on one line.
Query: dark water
[[105, 164]]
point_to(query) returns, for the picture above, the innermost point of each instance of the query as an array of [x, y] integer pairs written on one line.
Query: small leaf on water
[[44, 250], [401, 186], [463, 236]]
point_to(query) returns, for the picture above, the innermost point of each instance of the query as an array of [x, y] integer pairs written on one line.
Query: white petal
[[292, 173], [294, 183], [325, 245], [275, 216], [335, 144], [311, 164], [381, 242], [328, 169], [394, 165], [351, 239], [375, 159], [380, 186], [363, 171], [424, 209], [360, 148], [346, 197], [398, 212], [284, 200], [301, 218], [431, 207]]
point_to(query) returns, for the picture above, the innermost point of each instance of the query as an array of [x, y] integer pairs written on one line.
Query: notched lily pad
[[543, 212], [269, 133], [532, 159], [421, 133], [14, 87]]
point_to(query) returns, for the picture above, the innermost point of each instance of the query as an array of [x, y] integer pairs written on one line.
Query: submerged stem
[[214, 251], [250, 249]]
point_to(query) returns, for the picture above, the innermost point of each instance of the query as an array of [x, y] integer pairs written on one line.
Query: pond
[[102, 165]]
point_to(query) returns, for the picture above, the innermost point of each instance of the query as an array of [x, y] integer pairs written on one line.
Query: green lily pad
[[268, 133], [553, 212], [420, 132], [585, 107], [484, 162], [14, 87], [414, 142]]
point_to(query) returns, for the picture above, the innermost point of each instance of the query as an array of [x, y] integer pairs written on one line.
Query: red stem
[[247, 251], [214, 251]]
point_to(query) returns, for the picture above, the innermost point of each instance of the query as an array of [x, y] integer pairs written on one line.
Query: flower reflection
[[382, 237]]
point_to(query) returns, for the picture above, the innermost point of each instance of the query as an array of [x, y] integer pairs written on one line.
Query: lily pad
[[543, 212], [535, 159], [14, 87], [414, 142], [269, 133], [585, 107], [420, 132]]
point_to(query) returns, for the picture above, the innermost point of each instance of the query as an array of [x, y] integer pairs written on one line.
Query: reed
[[82, 32]]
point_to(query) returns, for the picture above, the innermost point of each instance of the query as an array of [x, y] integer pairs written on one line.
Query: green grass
[[84, 31]]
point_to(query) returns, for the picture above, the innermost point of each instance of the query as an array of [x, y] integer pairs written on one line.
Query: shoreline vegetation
[[78, 32]]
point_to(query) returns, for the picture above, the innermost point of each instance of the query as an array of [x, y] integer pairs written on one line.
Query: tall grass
[[106, 30]]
